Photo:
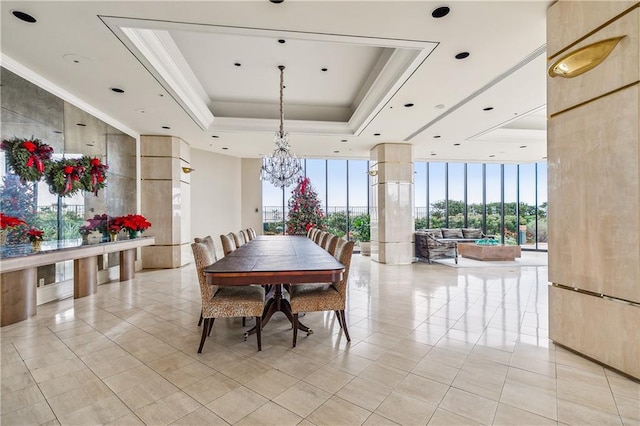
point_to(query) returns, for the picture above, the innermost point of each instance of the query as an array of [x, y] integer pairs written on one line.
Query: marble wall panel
[[620, 68], [593, 183], [612, 328], [157, 200], [568, 21]]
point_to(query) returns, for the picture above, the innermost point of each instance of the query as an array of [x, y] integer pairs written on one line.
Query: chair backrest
[[252, 233], [242, 236], [203, 258], [310, 232], [318, 237], [324, 239], [343, 254], [332, 244], [228, 244], [207, 241], [248, 234]]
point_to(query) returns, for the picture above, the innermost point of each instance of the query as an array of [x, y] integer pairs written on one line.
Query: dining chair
[[207, 241], [331, 243], [310, 232], [252, 233], [324, 297], [318, 237], [243, 237], [228, 243], [249, 235], [226, 301], [324, 239], [238, 238]]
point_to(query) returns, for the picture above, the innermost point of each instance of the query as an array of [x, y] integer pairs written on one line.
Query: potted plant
[[35, 236], [8, 223], [362, 233]]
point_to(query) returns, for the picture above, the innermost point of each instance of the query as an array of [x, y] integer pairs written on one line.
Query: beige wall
[[594, 186], [216, 195], [252, 194]]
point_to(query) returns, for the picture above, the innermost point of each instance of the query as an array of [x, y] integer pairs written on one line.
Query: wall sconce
[[188, 170], [584, 59], [372, 173]]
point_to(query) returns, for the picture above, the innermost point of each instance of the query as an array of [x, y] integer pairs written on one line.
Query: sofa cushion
[[472, 233], [435, 233], [452, 233]]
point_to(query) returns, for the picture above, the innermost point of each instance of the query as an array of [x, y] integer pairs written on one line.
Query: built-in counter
[[18, 266]]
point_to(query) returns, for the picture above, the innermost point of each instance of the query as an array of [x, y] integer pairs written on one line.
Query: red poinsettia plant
[[133, 223], [28, 158], [10, 222], [35, 234]]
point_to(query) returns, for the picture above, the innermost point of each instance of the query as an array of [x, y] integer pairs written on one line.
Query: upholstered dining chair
[[324, 297], [207, 241], [251, 233], [311, 231], [318, 237], [239, 238], [331, 243], [247, 232], [324, 239], [228, 243], [225, 302], [243, 237]]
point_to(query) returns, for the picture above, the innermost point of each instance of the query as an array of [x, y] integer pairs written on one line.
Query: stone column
[[391, 203], [166, 200], [594, 197]]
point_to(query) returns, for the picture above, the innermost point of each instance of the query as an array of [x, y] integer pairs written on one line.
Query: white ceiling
[[176, 63]]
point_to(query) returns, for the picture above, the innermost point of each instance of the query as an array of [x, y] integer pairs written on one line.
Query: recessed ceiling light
[[116, 90], [24, 16], [140, 110], [325, 69], [433, 153], [376, 134], [523, 146], [462, 55], [336, 152], [81, 124], [491, 156], [90, 144], [57, 131], [409, 105], [436, 136], [276, 1], [440, 106], [544, 158], [343, 140], [440, 12], [237, 64], [282, 41], [215, 136], [487, 109], [225, 148], [166, 127], [161, 95], [456, 144]]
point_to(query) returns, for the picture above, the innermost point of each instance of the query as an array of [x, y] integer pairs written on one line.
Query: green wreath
[[95, 174], [63, 177], [28, 158]]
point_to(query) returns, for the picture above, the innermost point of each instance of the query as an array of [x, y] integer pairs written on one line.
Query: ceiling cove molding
[[35, 78], [396, 65], [164, 61], [527, 59], [233, 124]]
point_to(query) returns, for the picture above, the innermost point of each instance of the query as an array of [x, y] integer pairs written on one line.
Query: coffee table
[[487, 252]]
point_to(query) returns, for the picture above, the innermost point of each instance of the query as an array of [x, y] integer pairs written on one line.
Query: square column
[[166, 200], [391, 203]]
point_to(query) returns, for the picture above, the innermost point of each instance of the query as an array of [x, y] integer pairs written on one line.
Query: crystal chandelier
[[282, 167]]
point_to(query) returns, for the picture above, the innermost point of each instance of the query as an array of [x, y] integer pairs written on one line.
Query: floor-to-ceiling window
[[505, 200], [337, 197]]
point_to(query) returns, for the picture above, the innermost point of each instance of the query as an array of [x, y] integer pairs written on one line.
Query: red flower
[[68, 170], [95, 161], [29, 146], [35, 234], [9, 222]]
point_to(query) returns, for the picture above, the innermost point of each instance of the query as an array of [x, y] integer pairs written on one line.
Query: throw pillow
[[435, 233], [452, 233], [472, 233]]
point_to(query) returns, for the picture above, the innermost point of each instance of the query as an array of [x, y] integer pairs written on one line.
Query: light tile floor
[[430, 345]]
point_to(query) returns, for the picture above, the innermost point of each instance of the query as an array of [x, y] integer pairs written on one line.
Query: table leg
[[127, 264], [18, 295], [277, 303]]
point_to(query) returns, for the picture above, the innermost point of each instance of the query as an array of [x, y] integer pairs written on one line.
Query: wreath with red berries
[[95, 174], [28, 158], [63, 176]]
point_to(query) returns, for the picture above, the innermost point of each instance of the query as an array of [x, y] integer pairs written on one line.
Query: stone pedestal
[[391, 203], [594, 195], [166, 200]]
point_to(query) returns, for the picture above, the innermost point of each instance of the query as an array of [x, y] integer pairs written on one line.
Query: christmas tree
[[304, 209]]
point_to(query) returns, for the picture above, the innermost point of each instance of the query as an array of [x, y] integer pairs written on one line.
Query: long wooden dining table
[[276, 260]]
